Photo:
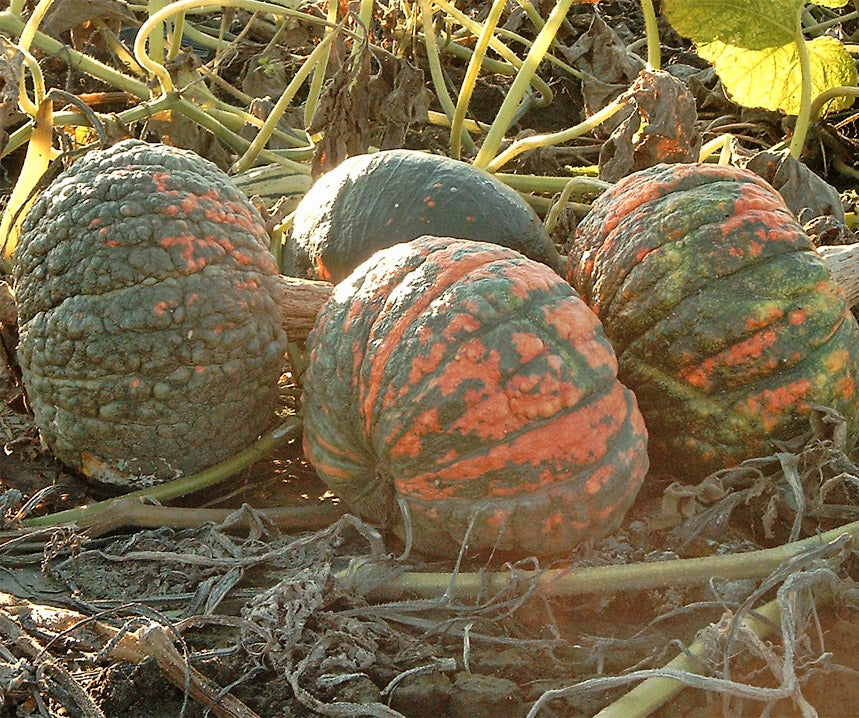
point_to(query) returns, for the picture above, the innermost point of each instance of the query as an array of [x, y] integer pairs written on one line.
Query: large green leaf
[[753, 47], [752, 24], [770, 77]]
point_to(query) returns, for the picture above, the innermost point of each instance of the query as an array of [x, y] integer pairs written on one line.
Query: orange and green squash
[[727, 324], [467, 387], [148, 305]]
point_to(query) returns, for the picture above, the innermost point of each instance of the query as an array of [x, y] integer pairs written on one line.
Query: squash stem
[[803, 118], [820, 101], [437, 73], [287, 431], [495, 43], [600, 579], [319, 71], [554, 138], [651, 30], [656, 691], [264, 134]]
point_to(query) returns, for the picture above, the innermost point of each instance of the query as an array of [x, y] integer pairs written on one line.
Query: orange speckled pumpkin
[[726, 322], [462, 381]]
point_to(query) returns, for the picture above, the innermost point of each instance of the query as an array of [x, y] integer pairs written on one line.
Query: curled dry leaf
[[607, 69], [362, 107], [661, 127], [805, 193]]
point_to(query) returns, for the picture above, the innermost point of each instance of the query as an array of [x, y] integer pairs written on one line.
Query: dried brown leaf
[[661, 127], [807, 194], [67, 14], [359, 108], [606, 67]]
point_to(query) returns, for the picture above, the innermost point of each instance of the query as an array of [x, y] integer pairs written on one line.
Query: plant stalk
[[564, 582], [290, 429]]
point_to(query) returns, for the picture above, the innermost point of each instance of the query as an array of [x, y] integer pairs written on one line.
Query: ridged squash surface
[[727, 324], [464, 381]]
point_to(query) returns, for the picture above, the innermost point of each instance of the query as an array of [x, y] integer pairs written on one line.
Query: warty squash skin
[[465, 380], [150, 335], [372, 201], [727, 324]]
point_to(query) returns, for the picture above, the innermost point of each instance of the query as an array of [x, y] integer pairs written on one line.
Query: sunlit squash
[[373, 201], [457, 388], [727, 324]]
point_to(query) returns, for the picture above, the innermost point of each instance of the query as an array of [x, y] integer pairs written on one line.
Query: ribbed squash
[[369, 202], [727, 325], [469, 382], [148, 304]]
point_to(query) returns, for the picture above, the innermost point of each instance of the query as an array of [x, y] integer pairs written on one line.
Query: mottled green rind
[[373, 201], [464, 378], [150, 334], [727, 324]]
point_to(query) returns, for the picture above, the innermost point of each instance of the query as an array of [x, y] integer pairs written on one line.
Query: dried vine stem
[[594, 579], [151, 640]]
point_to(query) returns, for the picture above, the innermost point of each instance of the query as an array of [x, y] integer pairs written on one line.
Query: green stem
[[651, 31], [717, 144], [436, 71], [606, 579], [820, 101], [473, 69], [234, 141], [580, 185], [64, 119], [547, 183], [523, 78], [538, 23], [156, 38], [13, 25], [182, 6], [803, 118], [554, 138], [819, 27], [287, 431], [653, 693], [318, 78], [176, 36], [505, 52], [268, 127]]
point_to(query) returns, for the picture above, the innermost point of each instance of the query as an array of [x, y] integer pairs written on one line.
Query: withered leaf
[[607, 69], [358, 108], [67, 14], [660, 128], [807, 194]]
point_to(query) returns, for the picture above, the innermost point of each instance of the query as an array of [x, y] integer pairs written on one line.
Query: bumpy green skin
[[373, 201], [150, 335], [727, 324], [463, 378]]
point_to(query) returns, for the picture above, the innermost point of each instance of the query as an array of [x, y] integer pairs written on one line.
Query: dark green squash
[[148, 301], [372, 201], [726, 322], [466, 381]]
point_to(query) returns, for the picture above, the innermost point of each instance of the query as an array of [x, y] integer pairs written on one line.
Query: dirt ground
[[249, 612]]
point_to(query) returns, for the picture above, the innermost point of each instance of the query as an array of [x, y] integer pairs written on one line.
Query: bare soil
[[243, 616]]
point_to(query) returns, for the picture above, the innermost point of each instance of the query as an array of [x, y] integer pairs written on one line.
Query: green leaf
[[753, 47], [750, 24], [770, 77]]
